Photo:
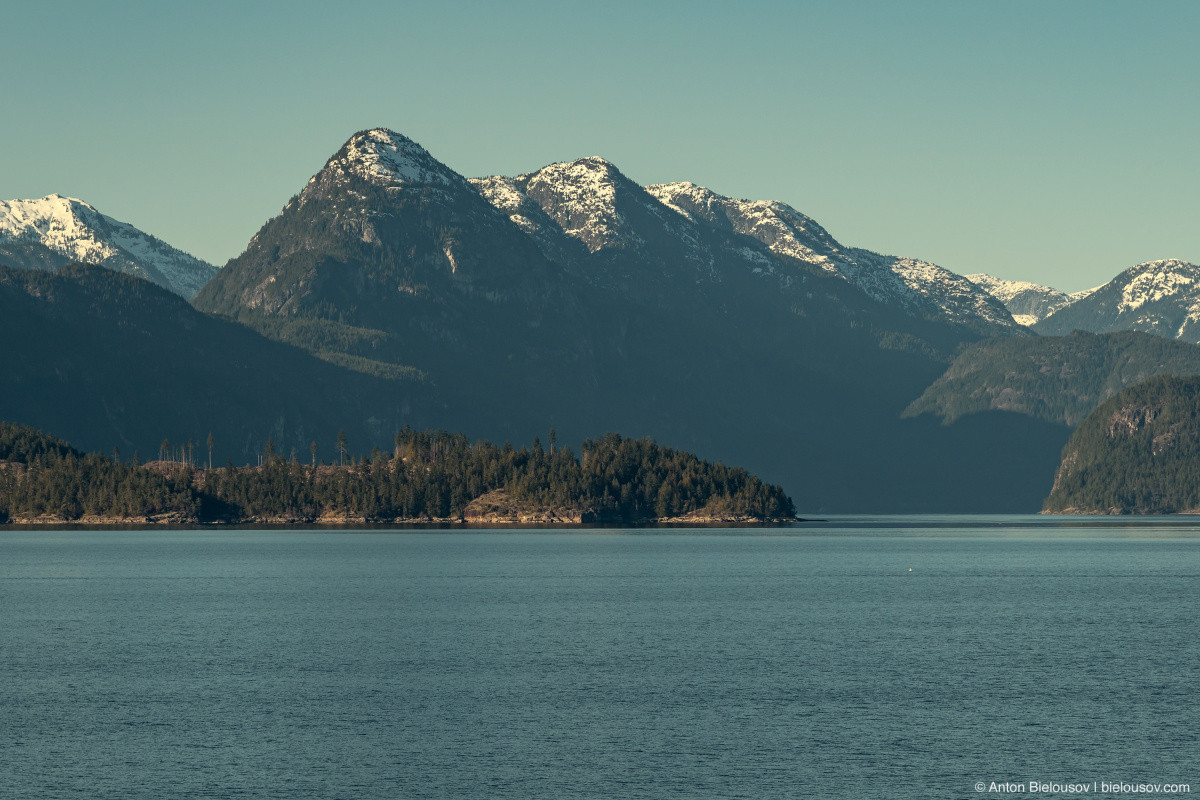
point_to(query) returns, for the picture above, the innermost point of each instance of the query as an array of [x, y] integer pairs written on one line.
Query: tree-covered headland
[[1138, 453]]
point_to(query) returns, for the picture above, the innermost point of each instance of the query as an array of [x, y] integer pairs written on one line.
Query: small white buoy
[[910, 569]]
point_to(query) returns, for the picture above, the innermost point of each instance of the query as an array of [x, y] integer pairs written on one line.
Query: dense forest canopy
[[427, 475]]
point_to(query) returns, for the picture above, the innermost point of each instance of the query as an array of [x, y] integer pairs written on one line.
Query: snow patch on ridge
[[783, 229], [1155, 281], [1005, 290]]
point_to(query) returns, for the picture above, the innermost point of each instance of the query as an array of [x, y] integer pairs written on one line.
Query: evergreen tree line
[[428, 475], [42, 476]]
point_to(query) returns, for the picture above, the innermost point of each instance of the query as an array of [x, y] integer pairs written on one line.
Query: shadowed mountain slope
[[109, 360]]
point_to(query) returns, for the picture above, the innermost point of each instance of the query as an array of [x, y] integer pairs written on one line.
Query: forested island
[[428, 477]]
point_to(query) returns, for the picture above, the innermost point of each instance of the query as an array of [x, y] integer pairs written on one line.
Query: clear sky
[[1047, 141]]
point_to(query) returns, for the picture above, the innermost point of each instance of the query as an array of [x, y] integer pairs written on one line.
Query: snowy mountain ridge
[[587, 215], [589, 200], [1155, 281], [1160, 297], [52, 230]]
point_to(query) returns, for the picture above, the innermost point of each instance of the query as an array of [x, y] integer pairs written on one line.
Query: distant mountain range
[[1160, 297], [573, 298], [56, 230], [569, 298]]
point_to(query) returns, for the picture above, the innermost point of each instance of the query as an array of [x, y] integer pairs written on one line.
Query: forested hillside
[[1138, 453], [110, 360], [1054, 378]]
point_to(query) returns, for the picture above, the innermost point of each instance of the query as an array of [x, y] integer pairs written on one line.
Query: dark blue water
[[810, 663]]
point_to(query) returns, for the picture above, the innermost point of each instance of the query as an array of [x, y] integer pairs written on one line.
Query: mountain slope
[[920, 288], [1137, 453], [591, 202], [1059, 379], [390, 258], [56, 230], [1159, 297], [1027, 302], [106, 359]]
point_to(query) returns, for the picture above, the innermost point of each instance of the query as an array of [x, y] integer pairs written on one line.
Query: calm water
[[801, 663]]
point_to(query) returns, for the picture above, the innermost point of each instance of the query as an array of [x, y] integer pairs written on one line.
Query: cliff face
[[1138, 453]]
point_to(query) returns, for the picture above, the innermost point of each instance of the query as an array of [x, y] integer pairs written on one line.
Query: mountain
[[573, 298], [1159, 297], [388, 260], [111, 360], [1138, 453], [1054, 378], [1027, 302], [56, 230]]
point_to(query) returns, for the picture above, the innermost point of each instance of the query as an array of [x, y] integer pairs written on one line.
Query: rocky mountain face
[[1159, 297], [1027, 302], [56, 230]]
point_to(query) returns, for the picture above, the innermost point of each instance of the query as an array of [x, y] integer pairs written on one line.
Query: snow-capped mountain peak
[[1160, 297], [1157, 280], [52, 230], [581, 196], [50, 218], [385, 157]]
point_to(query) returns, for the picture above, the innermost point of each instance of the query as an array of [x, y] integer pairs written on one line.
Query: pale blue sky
[[1054, 142]]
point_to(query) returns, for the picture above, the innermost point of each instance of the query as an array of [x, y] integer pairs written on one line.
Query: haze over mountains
[[571, 298]]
